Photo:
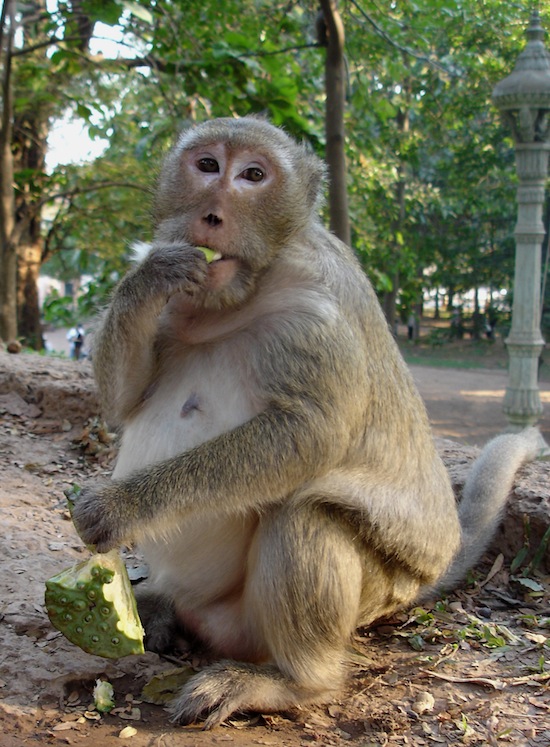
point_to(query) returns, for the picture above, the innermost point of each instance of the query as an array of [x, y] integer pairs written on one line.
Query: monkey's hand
[[173, 268], [102, 516]]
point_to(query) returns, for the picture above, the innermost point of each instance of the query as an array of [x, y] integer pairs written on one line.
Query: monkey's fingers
[[95, 518]]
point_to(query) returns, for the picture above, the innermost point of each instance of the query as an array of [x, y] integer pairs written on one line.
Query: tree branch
[[406, 50], [41, 45], [335, 85], [71, 193]]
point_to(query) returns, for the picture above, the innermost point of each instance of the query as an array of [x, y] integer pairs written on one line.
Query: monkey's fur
[[277, 466]]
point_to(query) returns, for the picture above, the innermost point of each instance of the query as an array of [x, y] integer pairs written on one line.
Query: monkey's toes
[[207, 696]]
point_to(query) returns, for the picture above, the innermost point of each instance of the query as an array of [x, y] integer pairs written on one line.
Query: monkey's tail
[[485, 495]]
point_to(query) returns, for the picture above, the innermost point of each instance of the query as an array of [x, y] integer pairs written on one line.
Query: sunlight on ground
[[497, 394]]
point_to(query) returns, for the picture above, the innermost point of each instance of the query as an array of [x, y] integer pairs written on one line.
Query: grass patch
[[456, 353], [436, 362], [464, 354]]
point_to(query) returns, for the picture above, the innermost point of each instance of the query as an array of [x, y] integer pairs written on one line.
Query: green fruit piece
[[209, 254], [104, 696], [93, 605]]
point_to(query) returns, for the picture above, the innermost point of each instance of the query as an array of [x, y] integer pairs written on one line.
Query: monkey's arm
[[299, 434], [123, 349], [257, 463]]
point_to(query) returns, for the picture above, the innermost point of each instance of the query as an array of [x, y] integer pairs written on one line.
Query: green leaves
[[430, 171]]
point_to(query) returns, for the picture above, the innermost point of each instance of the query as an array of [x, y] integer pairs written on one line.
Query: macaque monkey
[[276, 466]]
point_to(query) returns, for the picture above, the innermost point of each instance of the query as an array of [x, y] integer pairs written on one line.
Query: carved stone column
[[524, 101]]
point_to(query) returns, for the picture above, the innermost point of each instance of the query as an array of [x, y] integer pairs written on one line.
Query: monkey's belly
[[198, 397], [202, 563]]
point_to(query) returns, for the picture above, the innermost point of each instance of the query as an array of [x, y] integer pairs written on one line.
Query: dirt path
[[466, 405]]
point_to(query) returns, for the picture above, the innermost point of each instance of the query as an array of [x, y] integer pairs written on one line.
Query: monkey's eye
[[253, 174], [208, 165]]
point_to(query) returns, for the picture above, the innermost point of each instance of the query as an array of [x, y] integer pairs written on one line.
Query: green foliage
[[441, 626], [431, 175], [58, 310], [422, 121]]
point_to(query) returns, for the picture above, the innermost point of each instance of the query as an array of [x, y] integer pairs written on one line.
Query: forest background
[[429, 166]]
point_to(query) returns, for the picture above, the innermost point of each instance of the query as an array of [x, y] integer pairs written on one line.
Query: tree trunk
[[450, 297], [477, 320], [28, 302], [335, 83], [8, 248], [390, 299], [389, 302], [30, 140], [29, 144]]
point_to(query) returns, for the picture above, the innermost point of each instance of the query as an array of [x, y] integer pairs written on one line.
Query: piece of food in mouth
[[209, 254], [93, 605]]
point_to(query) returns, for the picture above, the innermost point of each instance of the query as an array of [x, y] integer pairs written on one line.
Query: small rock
[[14, 346], [424, 703]]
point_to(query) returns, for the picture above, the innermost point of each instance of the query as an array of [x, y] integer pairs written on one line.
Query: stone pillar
[[524, 101]]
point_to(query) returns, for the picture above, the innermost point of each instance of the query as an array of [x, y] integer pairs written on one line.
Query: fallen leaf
[[497, 566], [133, 714], [162, 687], [127, 732]]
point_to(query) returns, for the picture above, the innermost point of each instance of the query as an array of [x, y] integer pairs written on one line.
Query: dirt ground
[[466, 405], [472, 668]]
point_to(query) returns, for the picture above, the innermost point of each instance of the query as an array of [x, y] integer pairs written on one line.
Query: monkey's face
[[237, 188]]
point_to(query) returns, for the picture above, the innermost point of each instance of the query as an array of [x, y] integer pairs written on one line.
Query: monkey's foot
[[158, 617], [227, 687]]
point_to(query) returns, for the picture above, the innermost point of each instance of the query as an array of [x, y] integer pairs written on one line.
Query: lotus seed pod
[[93, 605], [209, 254]]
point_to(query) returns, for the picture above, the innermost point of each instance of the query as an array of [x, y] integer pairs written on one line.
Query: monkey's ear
[[318, 174]]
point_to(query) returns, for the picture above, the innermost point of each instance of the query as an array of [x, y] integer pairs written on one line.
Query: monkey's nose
[[213, 220]]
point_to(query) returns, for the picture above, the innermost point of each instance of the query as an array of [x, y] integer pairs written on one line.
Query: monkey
[[277, 466]]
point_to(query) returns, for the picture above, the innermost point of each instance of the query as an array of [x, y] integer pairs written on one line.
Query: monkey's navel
[[192, 403]]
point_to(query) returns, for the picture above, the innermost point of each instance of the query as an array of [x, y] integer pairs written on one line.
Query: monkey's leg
[[301, 600]]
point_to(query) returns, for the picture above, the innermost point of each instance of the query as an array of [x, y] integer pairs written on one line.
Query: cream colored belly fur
[[201, 562]]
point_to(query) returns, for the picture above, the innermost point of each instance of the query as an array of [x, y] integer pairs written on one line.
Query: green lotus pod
[[209, 254], [93, 605]]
